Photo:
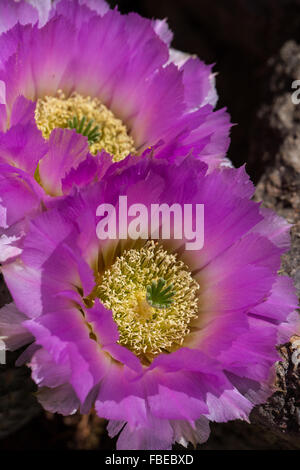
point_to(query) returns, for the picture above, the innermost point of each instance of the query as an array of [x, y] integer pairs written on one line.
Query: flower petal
[[12, 331]]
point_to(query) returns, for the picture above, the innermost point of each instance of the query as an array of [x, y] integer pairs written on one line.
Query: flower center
[[153, 298], [89, 117]]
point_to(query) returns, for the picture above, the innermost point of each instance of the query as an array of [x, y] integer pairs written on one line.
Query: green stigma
[[88, 130], [159, 296]]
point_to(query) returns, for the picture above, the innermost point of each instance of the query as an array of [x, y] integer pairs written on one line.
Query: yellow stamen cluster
[[145, 330], [57, 111]]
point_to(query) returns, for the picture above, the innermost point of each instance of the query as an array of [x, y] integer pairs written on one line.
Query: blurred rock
[[277, 143], [276, 146]]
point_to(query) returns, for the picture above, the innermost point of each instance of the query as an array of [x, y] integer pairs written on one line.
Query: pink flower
[[157, 374], [92, 71]]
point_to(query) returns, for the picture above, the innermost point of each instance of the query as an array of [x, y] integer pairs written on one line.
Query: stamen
[[153, 298], [89, 117]]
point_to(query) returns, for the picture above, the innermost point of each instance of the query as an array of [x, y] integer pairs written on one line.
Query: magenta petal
[[22, 146], [14, 12], [103, 324], [124, 356], [100, 6], [114, 427], [21, 280], [276, 228], [128, 53], [288, 328], [92, 169], [67, 150], [61, 399], [228, 405], [63, 7], [23, 112], [227, 218], [163, 31], [175, 397], [41, 72], [54, 340], [240, 181], [12, 332], [19, 196], [166, 93], [255, 392], [48, 250], [26, 356], [184, 359], [282, 301], [10, 243], [198, 84], [121, 398], [253, 353], [76, 12], [43, 7], [184, 432], [158, 436], [46, 373], [251, 266]]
